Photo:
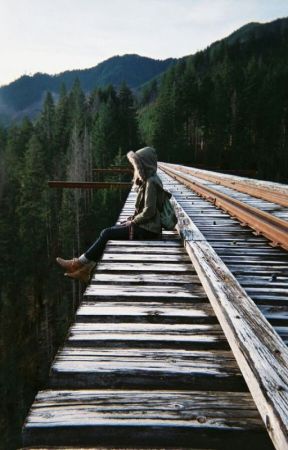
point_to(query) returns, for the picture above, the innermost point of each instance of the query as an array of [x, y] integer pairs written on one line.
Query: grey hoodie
[[150, 193]]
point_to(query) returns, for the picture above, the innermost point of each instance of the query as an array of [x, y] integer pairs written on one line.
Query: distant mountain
[[243, 33], [256, 31], [25, 95], [225, 106], [267, 36]]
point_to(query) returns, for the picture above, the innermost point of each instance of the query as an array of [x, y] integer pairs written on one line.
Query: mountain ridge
[[25, 95]]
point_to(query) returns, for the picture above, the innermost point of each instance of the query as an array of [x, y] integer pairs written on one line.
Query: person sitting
[[145, 223]]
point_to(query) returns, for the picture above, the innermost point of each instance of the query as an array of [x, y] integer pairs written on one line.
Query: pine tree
[[32, 210], [128, 127], [105, 134], [45, 129], [77, 107]]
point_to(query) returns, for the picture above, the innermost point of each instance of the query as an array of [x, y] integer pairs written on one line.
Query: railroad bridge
[[180, 342]]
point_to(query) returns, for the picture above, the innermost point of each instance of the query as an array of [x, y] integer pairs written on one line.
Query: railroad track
[[266, 218], [169, 339]]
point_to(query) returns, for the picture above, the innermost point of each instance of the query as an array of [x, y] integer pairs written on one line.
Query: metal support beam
[[89, 185], [114, 170]]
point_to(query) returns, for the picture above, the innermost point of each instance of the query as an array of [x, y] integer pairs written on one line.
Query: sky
[[55, 35]]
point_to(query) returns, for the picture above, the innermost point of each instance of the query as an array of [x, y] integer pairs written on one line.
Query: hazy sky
[[55, 35]]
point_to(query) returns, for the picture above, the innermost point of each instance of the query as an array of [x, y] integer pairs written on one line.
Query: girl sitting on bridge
[[144, 224]]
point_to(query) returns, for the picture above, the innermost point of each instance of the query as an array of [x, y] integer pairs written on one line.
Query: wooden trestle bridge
[[181, 342]]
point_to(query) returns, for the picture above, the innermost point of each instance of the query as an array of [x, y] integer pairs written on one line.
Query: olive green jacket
[[148, 203], [150, 196]]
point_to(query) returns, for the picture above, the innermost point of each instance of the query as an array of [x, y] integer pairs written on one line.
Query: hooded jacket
[[150, 195]]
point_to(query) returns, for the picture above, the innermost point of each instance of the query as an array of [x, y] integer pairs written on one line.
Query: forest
[[37, 224], [224, 108]]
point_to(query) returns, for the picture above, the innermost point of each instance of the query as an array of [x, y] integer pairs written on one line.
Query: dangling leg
[[81, 268], [118, 232]]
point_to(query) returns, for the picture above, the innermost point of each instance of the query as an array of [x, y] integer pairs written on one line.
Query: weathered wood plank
[[165, 243], [137, 418], [112, 291], [145, 249], [145, 267], [147, 335], [259, 351], [143, 257], [144, 324], [151, 312], [145, 369], [145, 278]]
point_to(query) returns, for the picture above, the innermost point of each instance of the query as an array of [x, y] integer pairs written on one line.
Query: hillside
[[25, 95], [226, 106]]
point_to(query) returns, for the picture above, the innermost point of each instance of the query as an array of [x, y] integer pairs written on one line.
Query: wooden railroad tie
[[163, 337]]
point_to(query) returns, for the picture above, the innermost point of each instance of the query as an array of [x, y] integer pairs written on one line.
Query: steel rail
[[273, 228], [260, 192]]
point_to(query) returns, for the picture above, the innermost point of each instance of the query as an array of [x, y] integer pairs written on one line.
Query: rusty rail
[[241, 186], [273, 228], [114, 170], [89, 185]]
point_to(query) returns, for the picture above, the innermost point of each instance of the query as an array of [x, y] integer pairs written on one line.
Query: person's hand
[[128, 223]]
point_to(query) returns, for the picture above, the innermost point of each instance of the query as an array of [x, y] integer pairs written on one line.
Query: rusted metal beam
[[89, 185], [113, 170], [275, 229], [247, 187]]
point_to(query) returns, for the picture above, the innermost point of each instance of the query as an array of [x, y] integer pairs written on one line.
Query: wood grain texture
[[142, 418], [128, 267], [145, 278], [151, 312], [260, 353], [152, 335], [146, 368], [145, 336], [144, 291]]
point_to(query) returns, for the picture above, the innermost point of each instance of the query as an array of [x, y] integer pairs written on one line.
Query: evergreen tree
[[128, 127], [32, 209], [105, 134], [77, 106], [45, 128]]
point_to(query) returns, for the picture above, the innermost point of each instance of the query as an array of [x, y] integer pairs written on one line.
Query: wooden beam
[[89, 185], [260, 353]]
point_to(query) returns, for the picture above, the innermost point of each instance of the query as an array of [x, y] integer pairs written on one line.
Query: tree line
[[69, 138], [225, 107]]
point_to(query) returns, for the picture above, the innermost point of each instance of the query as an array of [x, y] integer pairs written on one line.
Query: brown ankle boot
[[83, 274], [70, 265]]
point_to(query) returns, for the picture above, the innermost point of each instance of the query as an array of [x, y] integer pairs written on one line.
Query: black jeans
[[118, 232]]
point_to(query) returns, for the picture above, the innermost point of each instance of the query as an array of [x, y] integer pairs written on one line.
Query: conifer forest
[[224, 108], [37, 224]]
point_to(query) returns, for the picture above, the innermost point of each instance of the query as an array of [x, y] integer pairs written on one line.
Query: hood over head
[[144, 162]]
